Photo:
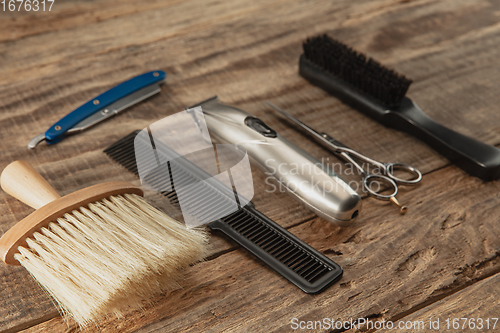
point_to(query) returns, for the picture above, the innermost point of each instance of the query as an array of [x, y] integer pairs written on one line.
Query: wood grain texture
[[389, 270], [247, 52], [478, 304]]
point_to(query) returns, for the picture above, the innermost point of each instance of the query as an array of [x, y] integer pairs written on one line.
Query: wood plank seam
[[437, 298]]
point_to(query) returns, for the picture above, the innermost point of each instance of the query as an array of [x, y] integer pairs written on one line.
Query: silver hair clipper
[[303, 176]]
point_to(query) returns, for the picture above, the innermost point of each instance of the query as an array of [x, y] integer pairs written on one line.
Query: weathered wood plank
[[247, 53], [392, 265], [20, 24], [55, 94], [477, 303]]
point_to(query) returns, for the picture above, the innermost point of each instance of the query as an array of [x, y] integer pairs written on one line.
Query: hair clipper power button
[[259, 126]]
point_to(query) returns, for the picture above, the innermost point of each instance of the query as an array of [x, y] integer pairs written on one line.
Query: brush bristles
[[109, 256], [365, 74]]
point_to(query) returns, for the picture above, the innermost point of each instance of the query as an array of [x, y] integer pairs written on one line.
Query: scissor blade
[[298, 122], [116, 107]]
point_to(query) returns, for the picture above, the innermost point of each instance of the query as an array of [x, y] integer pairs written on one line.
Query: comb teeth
[[285, 250], [123, 153], [214, 202], [367, 75]]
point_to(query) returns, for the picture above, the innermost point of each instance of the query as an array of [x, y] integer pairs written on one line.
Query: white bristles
[[109, 256]]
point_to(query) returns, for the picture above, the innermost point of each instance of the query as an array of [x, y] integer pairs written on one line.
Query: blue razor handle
[[56, 132], [115, 99]]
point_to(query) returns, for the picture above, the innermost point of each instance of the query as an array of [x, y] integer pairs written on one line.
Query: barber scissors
[[384, 171]]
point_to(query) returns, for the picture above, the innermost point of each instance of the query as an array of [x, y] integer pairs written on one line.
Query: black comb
[[379, 92], [296, 261]]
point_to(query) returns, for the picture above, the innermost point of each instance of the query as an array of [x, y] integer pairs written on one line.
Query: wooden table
[[440, 260]]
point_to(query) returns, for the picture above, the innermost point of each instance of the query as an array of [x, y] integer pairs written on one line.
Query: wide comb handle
[[24, 183], [291, 257]]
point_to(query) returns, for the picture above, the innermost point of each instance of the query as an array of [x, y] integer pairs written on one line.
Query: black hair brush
[[380, 92]]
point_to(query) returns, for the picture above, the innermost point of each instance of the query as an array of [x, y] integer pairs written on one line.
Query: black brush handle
[[289, 256], [475, 157]]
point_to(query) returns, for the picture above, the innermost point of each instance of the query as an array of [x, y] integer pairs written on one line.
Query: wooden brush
[[97, 250]]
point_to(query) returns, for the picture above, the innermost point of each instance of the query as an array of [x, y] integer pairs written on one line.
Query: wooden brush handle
[[24, 183], [20, 180]]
